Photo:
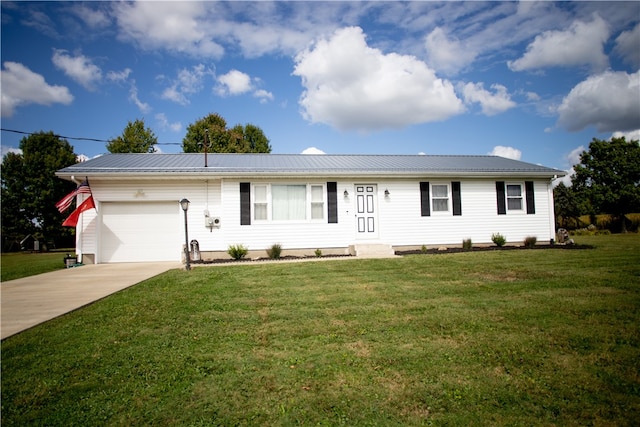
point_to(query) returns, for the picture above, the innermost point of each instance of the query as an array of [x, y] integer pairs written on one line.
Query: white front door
[[366, 211]]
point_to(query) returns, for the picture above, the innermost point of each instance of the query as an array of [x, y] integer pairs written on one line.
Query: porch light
[[386, 192], [346, 194], [184, 204]]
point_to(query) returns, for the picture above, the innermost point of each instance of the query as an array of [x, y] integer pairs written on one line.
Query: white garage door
[[138, 232]]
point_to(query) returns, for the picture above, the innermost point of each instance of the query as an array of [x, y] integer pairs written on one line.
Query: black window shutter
[[531, 202], [425, 206], [245, 203], [332, 202], [501, 196], [457, 201]]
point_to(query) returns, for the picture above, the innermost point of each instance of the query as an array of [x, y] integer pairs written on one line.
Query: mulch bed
[[284, 258], [436, 251], [433, 251]]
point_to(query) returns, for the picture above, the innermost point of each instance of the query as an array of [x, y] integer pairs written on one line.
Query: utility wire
[[79, 138]]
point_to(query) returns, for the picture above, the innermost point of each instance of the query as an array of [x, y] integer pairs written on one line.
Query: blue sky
[[535, 81]]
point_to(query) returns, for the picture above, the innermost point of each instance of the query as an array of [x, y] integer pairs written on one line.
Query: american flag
[[66, 201]]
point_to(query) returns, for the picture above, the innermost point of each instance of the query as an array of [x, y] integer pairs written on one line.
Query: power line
[[79, 138]]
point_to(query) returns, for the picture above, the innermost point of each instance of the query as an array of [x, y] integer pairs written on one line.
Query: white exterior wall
[[399, 220]]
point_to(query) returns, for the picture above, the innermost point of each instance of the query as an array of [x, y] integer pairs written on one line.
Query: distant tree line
[[606, 181], [30, 188], [210, 132]]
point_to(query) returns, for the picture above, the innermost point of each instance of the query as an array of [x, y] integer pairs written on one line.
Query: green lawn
[[515, 338], [15, 265]]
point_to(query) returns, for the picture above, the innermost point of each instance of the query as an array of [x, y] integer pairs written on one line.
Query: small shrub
[[530, 241], [318, 253], [275, 251], [237, 251], [423, 249], [467, 245], [498, 239]]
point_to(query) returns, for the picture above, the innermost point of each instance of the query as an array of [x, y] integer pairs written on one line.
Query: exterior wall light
[[346, 194], [386, 193]]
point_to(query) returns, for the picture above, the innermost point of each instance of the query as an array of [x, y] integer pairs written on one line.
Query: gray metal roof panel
[[193, 163]]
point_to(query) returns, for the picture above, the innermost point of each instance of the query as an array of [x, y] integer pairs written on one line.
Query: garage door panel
[[137, 232]]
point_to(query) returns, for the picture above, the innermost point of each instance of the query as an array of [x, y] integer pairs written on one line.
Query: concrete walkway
[[33, 300]]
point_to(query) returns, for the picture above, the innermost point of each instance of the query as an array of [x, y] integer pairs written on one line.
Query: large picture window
[[288, 202]]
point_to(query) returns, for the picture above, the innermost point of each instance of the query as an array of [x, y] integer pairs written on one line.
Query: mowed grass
[[517, 338], [14, 265]]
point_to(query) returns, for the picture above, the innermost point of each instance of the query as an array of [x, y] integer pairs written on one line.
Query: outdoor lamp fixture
[[386, 192], [346, 194], [184, 204]]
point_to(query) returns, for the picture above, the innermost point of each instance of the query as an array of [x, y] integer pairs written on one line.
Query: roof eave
[[209, 174]]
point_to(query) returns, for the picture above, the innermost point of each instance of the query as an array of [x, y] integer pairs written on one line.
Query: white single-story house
[[305, 202]]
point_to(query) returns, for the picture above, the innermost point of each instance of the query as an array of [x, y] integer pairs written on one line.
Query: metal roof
[[192, 165]]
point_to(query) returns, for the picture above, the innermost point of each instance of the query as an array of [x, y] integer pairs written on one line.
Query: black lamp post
[[184, 204]]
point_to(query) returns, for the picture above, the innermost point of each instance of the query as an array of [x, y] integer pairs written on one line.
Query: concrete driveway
[[33, 300]]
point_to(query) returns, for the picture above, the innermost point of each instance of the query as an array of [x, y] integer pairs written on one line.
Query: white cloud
[[82, 158], [4, 149], [133, 97], [263, 95], [581, 44], [21, 86], [119, 76], [312, 150], [633, 135], [507, 152], [574, 156], [628, 46], [350, 86], [179, 27], [608, 101], [237, 83], [187, 82], [446, 54], [491, 103], [164, 123], [79, 68], [94, 18], [233, 83]]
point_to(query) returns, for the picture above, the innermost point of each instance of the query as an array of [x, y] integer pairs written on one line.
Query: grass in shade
[[15, 265], [530, 337]]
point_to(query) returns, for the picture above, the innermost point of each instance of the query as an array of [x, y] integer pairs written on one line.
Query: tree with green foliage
[[609, 176], [30, 190], [136, 138], [213, 131], [566, 205]]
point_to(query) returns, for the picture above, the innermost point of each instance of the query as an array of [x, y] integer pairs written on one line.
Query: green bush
[[275, 251], [467, 245], [423, 249], [530, 241], [237, 251], [318, 253], [498, 239]]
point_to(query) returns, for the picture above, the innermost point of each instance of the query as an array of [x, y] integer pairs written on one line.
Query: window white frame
[[514, 194], [440, 200], [263, 202]]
